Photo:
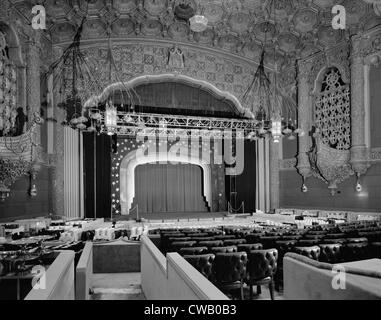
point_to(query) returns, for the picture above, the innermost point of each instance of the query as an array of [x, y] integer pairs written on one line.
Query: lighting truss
[[128, 123]]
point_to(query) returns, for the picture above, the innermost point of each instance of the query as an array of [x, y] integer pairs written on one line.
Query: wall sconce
[[4, 193], [304, 187], [358, 184]]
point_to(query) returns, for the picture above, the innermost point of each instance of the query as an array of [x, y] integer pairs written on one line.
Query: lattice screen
[[8, 89], [332, 111]]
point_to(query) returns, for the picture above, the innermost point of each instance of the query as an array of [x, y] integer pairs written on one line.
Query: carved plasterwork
[[231, 24], [375, 155]]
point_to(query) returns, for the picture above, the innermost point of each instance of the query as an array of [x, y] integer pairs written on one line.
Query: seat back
[[225, 249], [247, 247], [330, 253], [203, 238], [230, 267], [177, 245], [233, 242], [312, 252], [210, 244], [262, 263], [203, 263], [193, 251], [224, 236], [355, 251]]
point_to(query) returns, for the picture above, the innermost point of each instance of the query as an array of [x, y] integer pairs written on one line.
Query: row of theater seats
[[332, 244]]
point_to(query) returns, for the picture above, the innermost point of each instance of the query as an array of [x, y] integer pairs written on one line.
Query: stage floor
[[176, 216]]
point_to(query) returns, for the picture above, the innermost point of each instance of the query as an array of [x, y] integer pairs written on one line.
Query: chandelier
[[198, 23], [269, 104]]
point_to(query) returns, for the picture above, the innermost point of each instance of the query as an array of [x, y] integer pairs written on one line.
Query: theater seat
[[312, 252], [333, 241], [193, 251], [247, 247], [308, 242], [269, 242], [230, 271], [261, 267], [203, 263], [224, 237], [330, 253], [355, 251], [375, 250], [233, 242], [210, 244], [225, 249], [177, 245], [198, 239]]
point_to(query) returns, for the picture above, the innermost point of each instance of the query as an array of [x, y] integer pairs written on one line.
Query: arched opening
[[204, 95], [135, 158], [12, 117]]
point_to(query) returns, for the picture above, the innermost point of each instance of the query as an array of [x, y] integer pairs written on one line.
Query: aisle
[[117, 286]]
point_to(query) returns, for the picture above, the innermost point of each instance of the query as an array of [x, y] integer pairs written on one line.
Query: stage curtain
[[169, 188]]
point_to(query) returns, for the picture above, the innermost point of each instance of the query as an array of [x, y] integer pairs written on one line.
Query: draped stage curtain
[[169, 188]]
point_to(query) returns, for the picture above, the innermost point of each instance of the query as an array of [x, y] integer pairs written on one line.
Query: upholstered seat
[[230, 271], [330, 253], [375, 250], [177, 245], [332, 241], [292, 237], [224, 249], [269, 242], [357, 240], [253, 238], [225, 237], [312, 252], [203, 263], [353, 251], [206, 238], [171, 239], [308, 242], [261, 267], [314, 236], [334, 236], [193, 250], [371, 236], [200, 234], [247, 247], [233, 242], [210, 244]]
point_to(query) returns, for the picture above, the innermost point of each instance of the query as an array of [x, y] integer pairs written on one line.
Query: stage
[[174, 216]]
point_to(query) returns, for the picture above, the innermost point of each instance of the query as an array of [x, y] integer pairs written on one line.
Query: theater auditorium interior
[[190, 149]]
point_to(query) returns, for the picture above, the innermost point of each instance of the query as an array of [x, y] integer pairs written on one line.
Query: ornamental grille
[[332, 111], [8, 88]]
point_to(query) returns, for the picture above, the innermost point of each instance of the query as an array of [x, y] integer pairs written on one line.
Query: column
[[304, 114], [359, 151], [33, 92], [274, 175]]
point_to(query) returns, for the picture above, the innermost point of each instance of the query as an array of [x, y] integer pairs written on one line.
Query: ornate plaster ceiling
[[294, 28]]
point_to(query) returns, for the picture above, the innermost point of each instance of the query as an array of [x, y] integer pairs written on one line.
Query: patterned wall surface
[[136, 60]]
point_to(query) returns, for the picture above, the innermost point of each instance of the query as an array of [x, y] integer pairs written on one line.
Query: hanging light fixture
[[111, 118], [198, 23], [73, 76], [268, 102]]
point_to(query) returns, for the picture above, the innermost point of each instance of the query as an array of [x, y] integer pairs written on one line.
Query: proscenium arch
[[13, 42], [132, 160], [168, 77]]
